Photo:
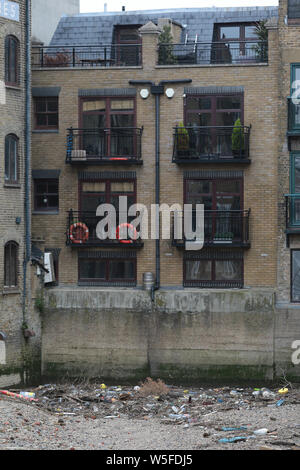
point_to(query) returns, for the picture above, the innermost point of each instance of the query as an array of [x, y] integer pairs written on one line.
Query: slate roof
[[97, 28]]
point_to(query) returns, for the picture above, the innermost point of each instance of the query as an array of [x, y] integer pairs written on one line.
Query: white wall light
[[144, 93], [170, 93]]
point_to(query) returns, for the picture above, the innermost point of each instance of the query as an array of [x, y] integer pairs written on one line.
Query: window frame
[[35, 194], [242, 27], [294, 19], [46, 113], [213, 256], [111, 257], [8, 264], [214, 180], [108, 111], [213, 110], [8, 139], [108, 192], [7, 61]]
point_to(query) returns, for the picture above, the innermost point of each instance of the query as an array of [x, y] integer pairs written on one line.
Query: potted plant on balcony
[[238, 139], [261, 48], [182, 140]]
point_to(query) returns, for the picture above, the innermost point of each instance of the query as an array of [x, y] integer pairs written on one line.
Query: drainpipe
[[27, 153], [157, 91]]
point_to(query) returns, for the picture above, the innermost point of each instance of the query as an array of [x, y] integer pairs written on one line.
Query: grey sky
[[116, 5]]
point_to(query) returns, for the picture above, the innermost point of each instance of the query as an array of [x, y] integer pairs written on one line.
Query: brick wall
[[12, 112]]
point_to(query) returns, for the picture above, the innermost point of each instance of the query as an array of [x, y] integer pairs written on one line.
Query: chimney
[[123, 8], [105, 7]]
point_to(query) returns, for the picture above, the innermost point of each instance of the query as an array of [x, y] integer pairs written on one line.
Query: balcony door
[[222, 199], [216, 115], [107, 127]]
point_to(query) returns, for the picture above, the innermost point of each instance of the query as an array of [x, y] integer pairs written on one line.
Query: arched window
[[11, 158], [11, 264], [11, 60]]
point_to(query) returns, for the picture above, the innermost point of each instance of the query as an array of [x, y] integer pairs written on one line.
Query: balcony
[[214, 53], [221, 229], [212, 144], [81, 232], [104, 146], [293, 117], [112, 55]]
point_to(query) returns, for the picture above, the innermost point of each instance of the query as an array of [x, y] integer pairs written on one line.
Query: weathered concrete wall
[[188, 334]]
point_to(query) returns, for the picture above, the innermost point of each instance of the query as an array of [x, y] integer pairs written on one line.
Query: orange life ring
[[129, 226], [79, 233]]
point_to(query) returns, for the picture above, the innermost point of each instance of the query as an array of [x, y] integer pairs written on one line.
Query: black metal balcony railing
[[293, 116], [221, 228], [229, 52], [112, 55], [117, 145], [82, 232], [211, 143]]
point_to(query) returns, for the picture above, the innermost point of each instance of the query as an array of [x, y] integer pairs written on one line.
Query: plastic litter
[[261, 432], [27, 394], [283, 391], [233, 439], [280, 402], [242, 428]]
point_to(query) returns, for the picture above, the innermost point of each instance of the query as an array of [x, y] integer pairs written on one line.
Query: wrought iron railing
[[222, 52], [119, 145], [221, 227], [83, 230], [211, 142], [112, 55]]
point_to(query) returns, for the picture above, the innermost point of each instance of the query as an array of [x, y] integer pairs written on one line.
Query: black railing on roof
[[112, 55], [229, 52]]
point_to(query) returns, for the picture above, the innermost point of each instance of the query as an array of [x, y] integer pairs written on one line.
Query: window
[[293, 10], [46, 197], [214, 269], [295, 275], [46, 112], [213, 110], [94, 193], [12, 61], [11, 159], [108, 125], [216, 115], [235, 43], [128, 47], [294, 107], [107, 268], [11, 264], [222, 199]]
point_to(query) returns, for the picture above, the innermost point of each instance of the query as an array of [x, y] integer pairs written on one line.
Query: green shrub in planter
[[237, 138]]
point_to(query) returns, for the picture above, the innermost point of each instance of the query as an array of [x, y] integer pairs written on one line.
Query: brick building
[[19, 356], [194, 121]]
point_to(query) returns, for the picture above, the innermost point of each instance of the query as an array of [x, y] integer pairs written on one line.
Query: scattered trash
[[283, 391], [280, 402], [242, 428], [261, 432], [232, 439], [27, 394]]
